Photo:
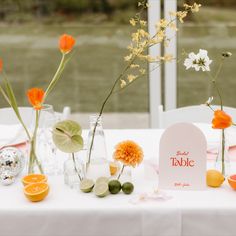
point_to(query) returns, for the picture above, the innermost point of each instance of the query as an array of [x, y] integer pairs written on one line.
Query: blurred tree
[[71, 6], [41, 8]]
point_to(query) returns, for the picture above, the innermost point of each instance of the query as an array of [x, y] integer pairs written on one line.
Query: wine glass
[[45, 148]]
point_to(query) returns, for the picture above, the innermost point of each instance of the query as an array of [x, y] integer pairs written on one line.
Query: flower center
[[201, 62]]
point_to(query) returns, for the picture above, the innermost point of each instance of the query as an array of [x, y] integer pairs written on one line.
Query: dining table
[[148, 211]]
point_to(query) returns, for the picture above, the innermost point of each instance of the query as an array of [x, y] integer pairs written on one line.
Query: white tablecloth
[[67, 212]]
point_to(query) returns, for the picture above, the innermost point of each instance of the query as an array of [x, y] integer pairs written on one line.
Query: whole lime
[[127, 188], [114, 186]]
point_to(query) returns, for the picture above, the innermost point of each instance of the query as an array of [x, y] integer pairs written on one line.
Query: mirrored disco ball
[[6, 177], [11, 159]]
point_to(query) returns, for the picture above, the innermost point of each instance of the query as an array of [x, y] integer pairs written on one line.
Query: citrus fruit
[[86, 185], [101, 189], [36, 192], [214, 178], [127, 188], [114, 167], [102, 180], [114, 186], [232, 181], [34, 178]]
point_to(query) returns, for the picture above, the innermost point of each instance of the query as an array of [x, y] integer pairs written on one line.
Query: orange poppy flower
[[35, 97], [66, 43], [1, 65], [221, 120]]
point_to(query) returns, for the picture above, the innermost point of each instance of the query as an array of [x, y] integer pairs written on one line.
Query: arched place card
[[182, 159]]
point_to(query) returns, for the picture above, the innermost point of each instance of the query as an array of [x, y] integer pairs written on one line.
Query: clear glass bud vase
[[97, 161], [42, 151], [73, 171], [222, 163]]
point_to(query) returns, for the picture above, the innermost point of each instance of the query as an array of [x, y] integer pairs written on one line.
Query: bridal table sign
[[182, 159]]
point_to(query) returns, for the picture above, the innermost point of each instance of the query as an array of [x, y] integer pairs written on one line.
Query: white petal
[[192, 56], [203, 52], [188, 63], [197, 68]]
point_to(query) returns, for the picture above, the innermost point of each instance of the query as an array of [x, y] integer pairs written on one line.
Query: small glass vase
[[97, 161], [46, 149], [125, 174], [74, 171], [222, 163], [42, 148]]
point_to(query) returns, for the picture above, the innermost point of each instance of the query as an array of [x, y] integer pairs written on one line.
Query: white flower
[[209, 101], [203, 61], [198, 61], [189, 62]]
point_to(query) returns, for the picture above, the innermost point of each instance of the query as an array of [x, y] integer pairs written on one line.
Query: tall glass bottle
[[97, 161]]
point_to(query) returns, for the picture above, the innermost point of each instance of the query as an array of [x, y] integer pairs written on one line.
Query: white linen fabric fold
[[11, 135]]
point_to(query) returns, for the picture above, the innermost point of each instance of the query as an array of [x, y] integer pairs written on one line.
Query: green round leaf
[[67, 136]]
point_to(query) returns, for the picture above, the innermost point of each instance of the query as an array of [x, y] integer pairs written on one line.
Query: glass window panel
[[213, 29], [31, 57]]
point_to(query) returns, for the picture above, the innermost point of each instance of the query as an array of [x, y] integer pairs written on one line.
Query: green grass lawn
[[31, 57]]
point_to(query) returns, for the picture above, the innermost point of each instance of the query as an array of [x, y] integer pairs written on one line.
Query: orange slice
[[232, 181], [34, 178], [36, 192], [114, 167]]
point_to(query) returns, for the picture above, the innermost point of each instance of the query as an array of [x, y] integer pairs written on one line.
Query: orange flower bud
[[221, 120], [35, 97], [1, 65], [66, 43]]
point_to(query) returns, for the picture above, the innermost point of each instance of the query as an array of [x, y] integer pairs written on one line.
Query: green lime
[[102, 180], [114, 186], [86, 185], [127, 188], [101, 189]]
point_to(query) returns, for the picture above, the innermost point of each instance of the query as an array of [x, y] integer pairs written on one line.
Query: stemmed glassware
[[45, 148]]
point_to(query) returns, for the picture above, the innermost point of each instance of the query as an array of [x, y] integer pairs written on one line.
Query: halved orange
[[36, 192], [114, 167], [232, 181], [34, 178]]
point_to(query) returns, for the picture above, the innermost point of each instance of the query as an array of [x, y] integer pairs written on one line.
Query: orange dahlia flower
[[35, 97], [221, 120], [66, 43], [129, 153]]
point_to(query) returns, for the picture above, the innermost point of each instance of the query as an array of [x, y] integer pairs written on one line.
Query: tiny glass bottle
[[74, 171], [222, 163], [97, 161]]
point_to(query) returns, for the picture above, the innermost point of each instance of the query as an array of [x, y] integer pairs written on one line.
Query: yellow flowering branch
[[142, 40]]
